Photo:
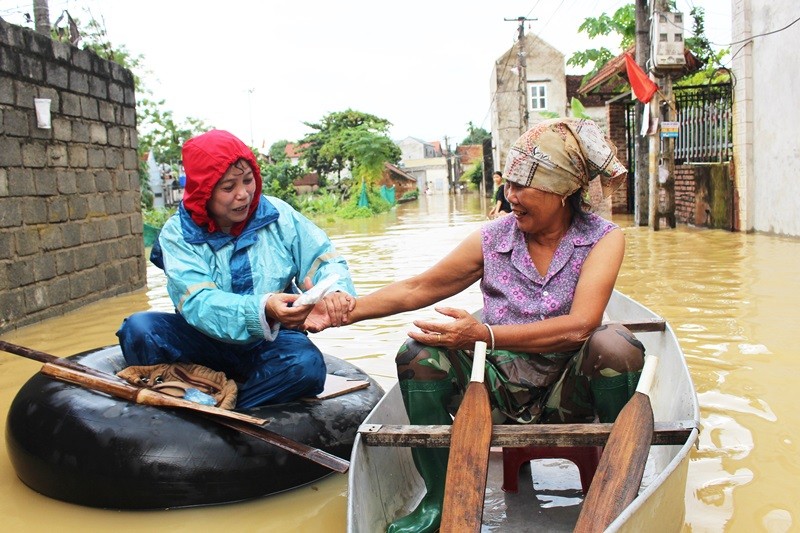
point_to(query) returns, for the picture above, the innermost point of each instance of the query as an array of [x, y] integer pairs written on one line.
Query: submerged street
[[729, 297]]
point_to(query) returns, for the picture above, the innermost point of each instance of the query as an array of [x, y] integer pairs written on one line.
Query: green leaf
[[577, 109]]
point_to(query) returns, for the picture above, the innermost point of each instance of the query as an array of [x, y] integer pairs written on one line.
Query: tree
[[368, 151], [162, 133], [326, 152], [623, 24], [701, 47], [278, 179], [277, 151], [476, 135]]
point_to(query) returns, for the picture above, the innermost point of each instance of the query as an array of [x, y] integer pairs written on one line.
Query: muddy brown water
[[731, 299]]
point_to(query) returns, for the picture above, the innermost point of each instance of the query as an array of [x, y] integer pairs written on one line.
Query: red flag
[[642, 86]]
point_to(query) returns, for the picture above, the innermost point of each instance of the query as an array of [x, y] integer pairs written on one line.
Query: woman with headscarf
[[232, 258], [546, 273]]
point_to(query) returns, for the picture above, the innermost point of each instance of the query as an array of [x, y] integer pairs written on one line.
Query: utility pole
[[250, 112], [522, 86], [661, 201], [451, 171], [641, 171]]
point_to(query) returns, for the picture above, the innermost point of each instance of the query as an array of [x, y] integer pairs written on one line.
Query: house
[[426, 162], [469, 154], [594, 104], [518, 104], [546, 90], [294, 152], [413, 148], [765, 127], [306, 184], [397, 178]]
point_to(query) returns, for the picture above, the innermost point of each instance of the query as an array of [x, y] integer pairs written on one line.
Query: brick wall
[[70, 215], [685, 196]]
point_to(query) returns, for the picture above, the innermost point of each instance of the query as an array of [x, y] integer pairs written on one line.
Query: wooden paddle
[[469, 454], [619, 474], [90, 378]]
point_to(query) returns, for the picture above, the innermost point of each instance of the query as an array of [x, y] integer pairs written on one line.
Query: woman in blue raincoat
[[231, 256]]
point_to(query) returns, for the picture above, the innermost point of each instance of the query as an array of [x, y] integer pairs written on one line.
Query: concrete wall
[[766, 128], [544, 65], [70, 215]]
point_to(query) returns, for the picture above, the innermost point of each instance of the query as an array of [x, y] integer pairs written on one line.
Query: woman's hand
[[279, 308], [460, 334]]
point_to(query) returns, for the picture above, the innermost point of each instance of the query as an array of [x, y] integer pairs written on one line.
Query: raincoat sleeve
[[314, 254], [192, 284]]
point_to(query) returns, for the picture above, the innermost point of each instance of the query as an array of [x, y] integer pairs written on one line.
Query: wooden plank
[[643, 326], [338, 385], [518, 435]]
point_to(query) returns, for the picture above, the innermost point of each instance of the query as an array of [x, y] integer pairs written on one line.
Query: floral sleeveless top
[[513, 290]]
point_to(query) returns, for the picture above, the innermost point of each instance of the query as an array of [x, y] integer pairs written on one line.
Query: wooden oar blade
[[469, 463], [617, 482], [619, 474]]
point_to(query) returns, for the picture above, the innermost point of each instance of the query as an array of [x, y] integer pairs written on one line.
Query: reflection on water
[[729, 298]]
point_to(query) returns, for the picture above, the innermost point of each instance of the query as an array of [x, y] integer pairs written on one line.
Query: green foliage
[[410, 195], [377, 204], [577, 109], [278, 180], [277, 152], [332, 148], [368, 151], [144, 185], [622, 23], [474, 174], [317, 204], [701, 48], [476, 135], [157, 217], [548, 114], [162, 133]]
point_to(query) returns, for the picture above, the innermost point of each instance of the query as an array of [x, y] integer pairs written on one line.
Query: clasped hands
[[331, 311]]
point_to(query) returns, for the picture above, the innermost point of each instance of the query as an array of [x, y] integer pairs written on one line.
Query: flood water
[[731, 299]]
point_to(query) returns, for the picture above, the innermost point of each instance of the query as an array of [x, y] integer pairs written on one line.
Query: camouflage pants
[[528, 388]]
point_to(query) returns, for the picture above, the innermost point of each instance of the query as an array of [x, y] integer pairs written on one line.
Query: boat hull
[[85, 447], [384, 484]]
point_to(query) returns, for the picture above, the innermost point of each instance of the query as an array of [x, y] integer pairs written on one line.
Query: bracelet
[[491, 337]]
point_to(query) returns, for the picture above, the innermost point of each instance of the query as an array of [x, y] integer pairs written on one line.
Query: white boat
[[384, 484]]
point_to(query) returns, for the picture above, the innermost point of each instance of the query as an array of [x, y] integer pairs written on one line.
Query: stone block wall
[[70, 215]]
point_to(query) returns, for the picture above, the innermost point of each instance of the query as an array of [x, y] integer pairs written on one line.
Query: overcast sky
[[261, 68]]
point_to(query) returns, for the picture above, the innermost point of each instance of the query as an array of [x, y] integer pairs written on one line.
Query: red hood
[[205, 159]]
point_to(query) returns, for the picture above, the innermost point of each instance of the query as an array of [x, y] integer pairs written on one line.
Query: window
[[538, 96]]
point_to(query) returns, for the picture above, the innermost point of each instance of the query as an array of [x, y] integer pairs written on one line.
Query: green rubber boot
[[612, 393], [425, 403]]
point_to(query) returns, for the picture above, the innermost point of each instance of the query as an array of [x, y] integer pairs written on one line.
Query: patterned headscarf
[[562, 155]]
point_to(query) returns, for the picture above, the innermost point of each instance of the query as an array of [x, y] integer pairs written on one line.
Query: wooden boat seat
[[586, 458]]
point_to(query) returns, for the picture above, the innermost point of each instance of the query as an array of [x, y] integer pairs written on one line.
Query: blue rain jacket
[[220, 282]]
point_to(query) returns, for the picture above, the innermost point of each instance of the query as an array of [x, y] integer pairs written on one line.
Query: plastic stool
[[585, 458]]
